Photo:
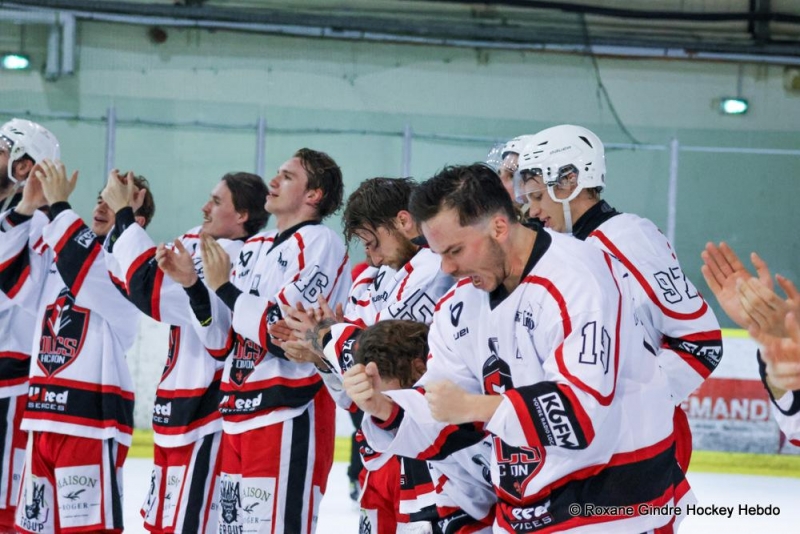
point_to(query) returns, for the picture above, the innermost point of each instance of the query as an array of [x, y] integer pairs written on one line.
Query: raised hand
[[53, 178], [118, 191], [216, 262], [32, 196], [176, 263], [765, 309], [722, 271]]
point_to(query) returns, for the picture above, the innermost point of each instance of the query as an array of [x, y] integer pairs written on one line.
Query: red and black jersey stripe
[[649, 477], [144, 280], [14, 368], [14, 272], [189, 408], [267, 395], [702, 351], [80, 403]]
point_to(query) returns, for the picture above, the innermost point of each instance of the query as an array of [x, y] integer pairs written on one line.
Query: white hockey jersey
[[682, 329], [187, 399], [259, 385], [79, 381], [584, 417], [17, 319], [409, 293]]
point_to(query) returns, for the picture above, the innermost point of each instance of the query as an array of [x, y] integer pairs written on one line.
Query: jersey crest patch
[[516, 467], [246, 355], [63, 332]]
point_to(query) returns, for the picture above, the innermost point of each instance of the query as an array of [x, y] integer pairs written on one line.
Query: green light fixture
[[14, 62]]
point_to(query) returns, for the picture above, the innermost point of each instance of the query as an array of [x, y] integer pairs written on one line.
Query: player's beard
[[407, 251]]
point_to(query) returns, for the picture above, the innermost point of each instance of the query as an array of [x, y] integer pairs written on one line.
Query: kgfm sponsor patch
[[555, 420]]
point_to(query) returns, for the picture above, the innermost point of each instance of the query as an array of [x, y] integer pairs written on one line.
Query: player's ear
[[499, 227], [405, 222], [314, 196], [141, 221]]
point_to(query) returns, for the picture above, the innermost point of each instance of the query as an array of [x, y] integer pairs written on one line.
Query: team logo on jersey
[[455, 313], [525, 318], [244, 257], [283, 263], [516, 466], [63, 332], [496, 372], [37, 511], [246, 355], [379, 279], [229, 499], [172, 351]]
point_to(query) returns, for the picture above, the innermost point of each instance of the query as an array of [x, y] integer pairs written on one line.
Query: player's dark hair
[[393, 346], [148, 207], [474, 191], [324, 174], [376, 203], [249, 193]]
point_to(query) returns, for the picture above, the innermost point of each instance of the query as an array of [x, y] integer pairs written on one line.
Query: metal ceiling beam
[[459, 32]]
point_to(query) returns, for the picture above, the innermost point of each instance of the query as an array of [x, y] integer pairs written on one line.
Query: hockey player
[[79, 413], [22, 145], [186, 421], [562, 170], [398, 350], [376, 214], [277, 418], [751, 302], [537, 346], [504, 159]]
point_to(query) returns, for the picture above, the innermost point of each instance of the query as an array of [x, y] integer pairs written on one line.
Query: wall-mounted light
[[733, 106], [14, 62]]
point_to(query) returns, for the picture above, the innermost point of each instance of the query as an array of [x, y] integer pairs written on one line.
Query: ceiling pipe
[[67, 21], [632, 51], [53, 62]]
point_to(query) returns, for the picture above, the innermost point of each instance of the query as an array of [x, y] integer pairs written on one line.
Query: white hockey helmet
[[515, 146], [24, 137], [557, 152], [497, 155], [554, 151]]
